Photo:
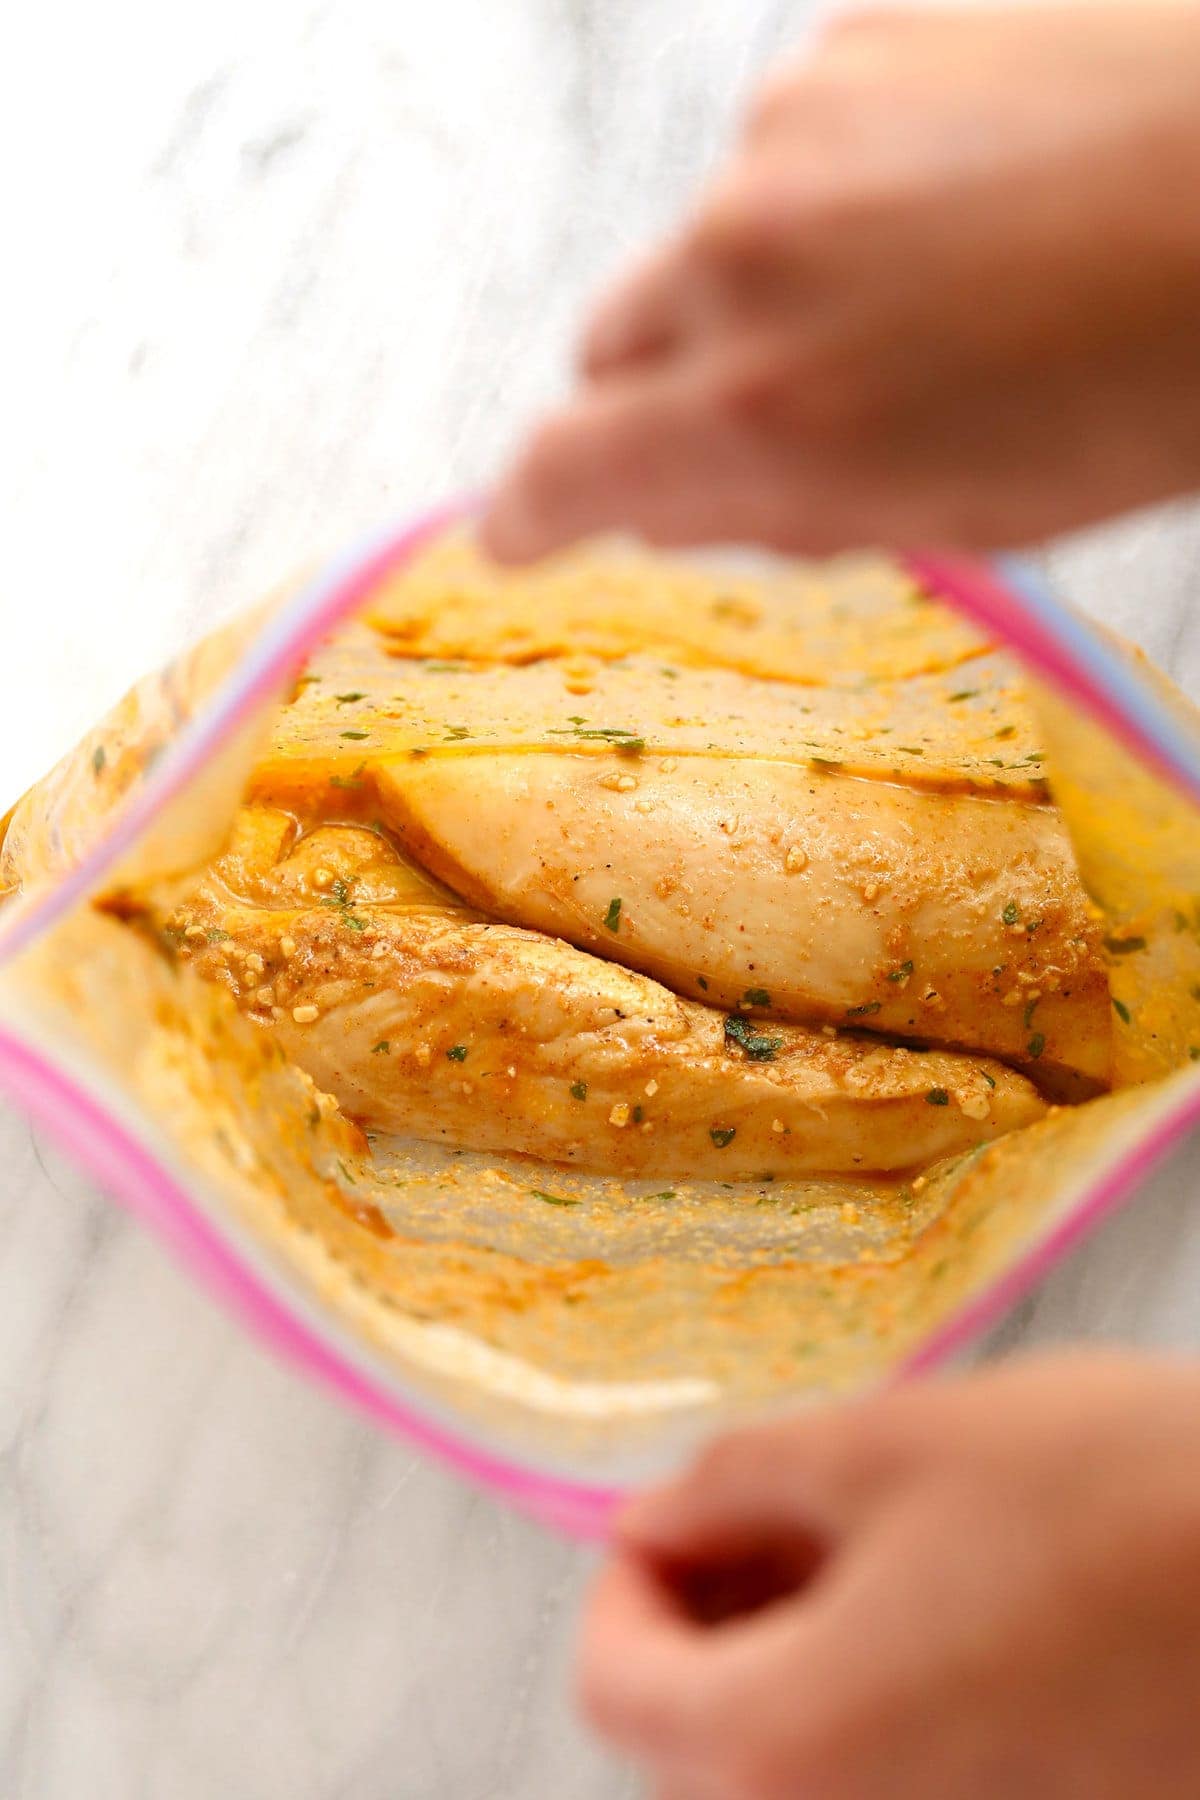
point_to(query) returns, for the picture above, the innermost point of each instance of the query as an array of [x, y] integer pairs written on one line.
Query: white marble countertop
[[277, 273]]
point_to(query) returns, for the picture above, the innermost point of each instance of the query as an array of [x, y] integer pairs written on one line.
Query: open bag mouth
[[554, 1330]]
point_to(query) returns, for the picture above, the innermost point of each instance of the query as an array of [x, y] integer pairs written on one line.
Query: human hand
[[970, 1590], [944, 296]]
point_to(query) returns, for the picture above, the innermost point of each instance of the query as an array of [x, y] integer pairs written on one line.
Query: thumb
[[796, 1485]]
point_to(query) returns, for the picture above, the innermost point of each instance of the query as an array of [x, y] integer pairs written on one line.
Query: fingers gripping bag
[[573, 1009]]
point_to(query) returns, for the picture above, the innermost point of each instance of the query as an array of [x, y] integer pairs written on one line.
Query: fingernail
[[501, 536], [643, 1514], [605, 340]]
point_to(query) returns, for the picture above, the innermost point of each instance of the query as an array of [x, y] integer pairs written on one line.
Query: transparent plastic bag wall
[[557, 1333]]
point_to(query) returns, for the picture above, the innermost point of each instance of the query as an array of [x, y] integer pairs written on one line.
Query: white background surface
[[275, 274]]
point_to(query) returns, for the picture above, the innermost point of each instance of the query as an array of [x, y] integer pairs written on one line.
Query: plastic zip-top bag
[[570, 1010]]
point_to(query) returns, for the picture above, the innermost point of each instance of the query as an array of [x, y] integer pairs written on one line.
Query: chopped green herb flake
[[553, 1199], [739, 1030], [638, 1114], [1011, 913], [620, 737], [579, 1090], [1124, 946], [382, 1048], [346, 1173], [1029, 1012], [355, 924], [354, 734], [216, 935], [702, 983], [1037, 1044], [937, 1097], [859, 1012], [903, 972], [1122, 1011], [338, 782], [965, 694], [722, 1135], [990, 1079], [612, 918], [1006, 731], [756, 997], [98, 758], [457, 1053], [348, 699]]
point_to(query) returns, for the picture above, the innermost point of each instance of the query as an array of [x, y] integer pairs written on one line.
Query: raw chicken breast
[[425, 1019]]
